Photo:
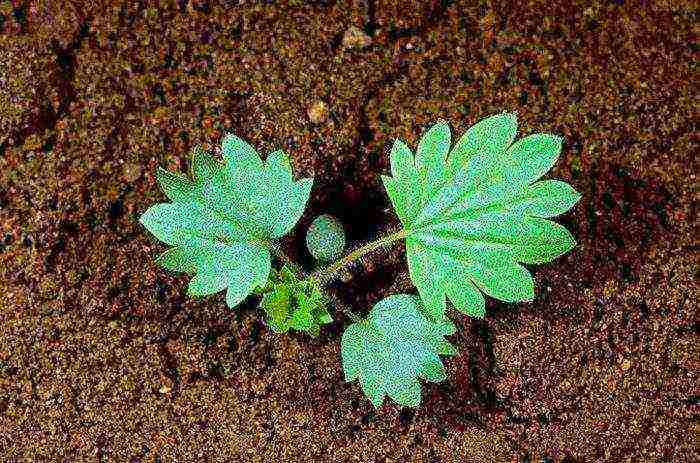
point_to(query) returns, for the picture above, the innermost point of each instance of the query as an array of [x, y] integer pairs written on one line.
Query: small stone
[[132, 171], [318, 112], [626, 364], [356, 38], [32, 142], [165, 389]]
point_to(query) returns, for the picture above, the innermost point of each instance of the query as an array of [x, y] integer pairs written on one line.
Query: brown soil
[[104, 358]]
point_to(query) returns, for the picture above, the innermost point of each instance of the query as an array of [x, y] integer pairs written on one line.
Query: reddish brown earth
[[104, 358]]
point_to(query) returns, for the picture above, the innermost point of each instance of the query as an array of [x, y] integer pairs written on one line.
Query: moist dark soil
[[103, 357]]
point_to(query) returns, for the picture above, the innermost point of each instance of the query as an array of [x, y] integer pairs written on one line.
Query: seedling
[[471, 214]]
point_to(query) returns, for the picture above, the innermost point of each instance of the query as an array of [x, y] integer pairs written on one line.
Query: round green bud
[[325, 238]]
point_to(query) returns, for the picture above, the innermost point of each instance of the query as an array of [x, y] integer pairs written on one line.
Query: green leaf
[[430, 158], [395, 347], [484, 216], [482, 144], [277, 303], [401, 187], [262, 197], [292, 303], [547, 198], [221, 221], [202, 165], [186, 222], [176, 186]]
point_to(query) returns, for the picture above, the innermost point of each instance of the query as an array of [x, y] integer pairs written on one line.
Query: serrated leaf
[[262, 197], [482, 143], [292, 303], [222, 220], [402, 186], [202, 165], [430, 157], [395, 347], [547, 198], [176, 186], [276, 303], [486, 216]]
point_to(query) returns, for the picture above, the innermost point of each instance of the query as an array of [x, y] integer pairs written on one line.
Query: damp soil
[[104, 358]]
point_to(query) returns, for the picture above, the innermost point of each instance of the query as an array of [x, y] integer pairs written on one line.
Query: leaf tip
[[377, 400]]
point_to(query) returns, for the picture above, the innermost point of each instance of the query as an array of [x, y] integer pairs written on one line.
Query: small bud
[[325, 238]]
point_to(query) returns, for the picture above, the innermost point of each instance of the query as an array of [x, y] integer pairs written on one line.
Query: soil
[[104, 358]]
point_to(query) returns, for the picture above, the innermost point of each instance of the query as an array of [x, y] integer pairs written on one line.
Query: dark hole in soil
[[368, 418], [58, 247], [360, 210], [406, 416], [255, 332], [116, 209], [20, 15]]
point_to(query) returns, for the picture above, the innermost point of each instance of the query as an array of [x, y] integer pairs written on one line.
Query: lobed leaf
[[473, 216], [221, 221], [395, 347]]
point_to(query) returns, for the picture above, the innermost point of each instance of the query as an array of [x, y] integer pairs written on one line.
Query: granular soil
[[104, 358]]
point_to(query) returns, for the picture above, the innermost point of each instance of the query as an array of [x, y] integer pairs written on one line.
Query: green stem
[[328, 273], [277, 251], [325, 275], [285, 259], [334, 301]]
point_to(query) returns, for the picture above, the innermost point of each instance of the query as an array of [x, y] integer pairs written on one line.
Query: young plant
[[471, 214]]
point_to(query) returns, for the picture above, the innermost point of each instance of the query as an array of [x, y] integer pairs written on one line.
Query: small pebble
[[318, 112], [132, 172], [356, 38]]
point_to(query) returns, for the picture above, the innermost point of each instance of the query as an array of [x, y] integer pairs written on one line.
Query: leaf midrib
[[254, 239], [502, 204]]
